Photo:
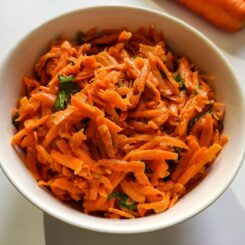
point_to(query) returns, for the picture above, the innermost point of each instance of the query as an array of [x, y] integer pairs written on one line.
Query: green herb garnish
[[72, 62], [181, 82], [14, 122], [65, 79], [114, 195], [61, 101], [122, 200], [197, 117], [177, 149], [67, 86]]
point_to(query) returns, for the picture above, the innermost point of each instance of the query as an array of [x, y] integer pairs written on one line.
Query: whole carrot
[[228, 15]]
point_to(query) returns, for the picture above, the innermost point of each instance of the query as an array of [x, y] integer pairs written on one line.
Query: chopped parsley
[[194, 120], [72, 62], [179, 79], [122, 200], [177, 149], [67, 86], [65, 79], [61, 101]]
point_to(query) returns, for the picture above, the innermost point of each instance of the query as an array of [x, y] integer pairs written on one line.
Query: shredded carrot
[[121, 213], [117, 123]]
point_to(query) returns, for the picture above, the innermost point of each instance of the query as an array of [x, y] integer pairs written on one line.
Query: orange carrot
[[228, 15], [207, 131], [118, 123], [107, 140], [121, 213], [67, 160], [151, 155]]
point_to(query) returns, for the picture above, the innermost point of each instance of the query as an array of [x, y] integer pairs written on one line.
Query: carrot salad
[[116, 124]]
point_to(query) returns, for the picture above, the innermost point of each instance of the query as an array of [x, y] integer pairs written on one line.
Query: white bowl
[[182, 39]]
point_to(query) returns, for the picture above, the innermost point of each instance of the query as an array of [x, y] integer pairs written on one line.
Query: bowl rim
[[152, 226]]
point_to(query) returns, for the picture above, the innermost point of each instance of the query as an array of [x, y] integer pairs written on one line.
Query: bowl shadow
[[221, 224]]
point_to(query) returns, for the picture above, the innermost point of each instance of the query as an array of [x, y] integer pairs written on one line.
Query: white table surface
[[23, 224]]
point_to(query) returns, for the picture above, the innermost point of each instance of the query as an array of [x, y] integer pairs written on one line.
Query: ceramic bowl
[[183, 40]]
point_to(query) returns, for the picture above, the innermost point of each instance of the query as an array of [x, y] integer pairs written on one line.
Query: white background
[[22, 224]]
